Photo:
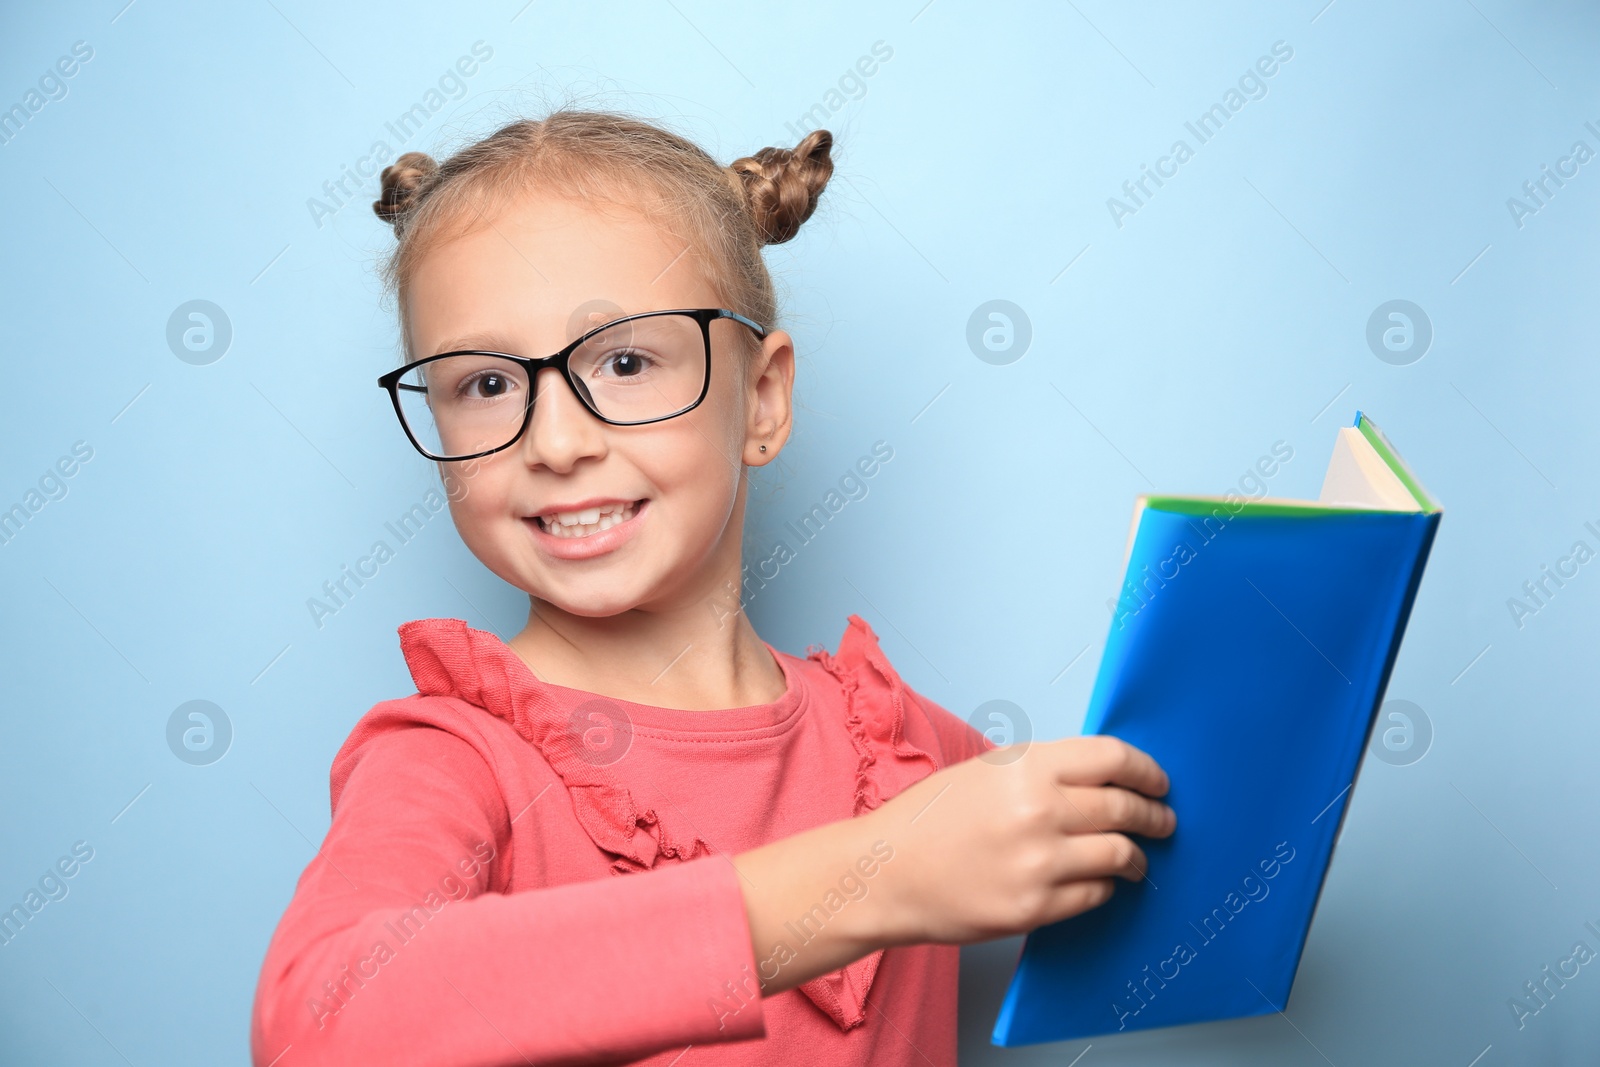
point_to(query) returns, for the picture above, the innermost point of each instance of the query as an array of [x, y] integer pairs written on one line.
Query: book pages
[[1358, 477]]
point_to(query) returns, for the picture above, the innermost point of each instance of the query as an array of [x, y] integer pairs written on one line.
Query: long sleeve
[[398, 949]]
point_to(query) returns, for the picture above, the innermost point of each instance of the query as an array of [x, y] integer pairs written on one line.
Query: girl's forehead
[[549, 266], [581, 235]]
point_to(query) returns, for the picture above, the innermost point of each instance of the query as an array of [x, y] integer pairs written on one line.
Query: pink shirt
[[519, 872]]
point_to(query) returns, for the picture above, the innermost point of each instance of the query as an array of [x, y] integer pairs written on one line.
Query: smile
[[588, 532], [588, 521]]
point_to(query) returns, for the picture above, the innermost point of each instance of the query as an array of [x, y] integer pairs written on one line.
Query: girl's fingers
[[1091, 809], [1099, 759], [1090, 856], [1076, 897], [1134, 861]]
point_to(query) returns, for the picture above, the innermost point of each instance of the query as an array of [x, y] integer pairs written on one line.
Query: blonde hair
[[725, 214]]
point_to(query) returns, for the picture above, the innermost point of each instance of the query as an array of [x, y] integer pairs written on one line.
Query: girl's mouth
[[586, 534], [570, 524]]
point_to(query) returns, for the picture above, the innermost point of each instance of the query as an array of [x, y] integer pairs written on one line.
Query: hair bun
[[402, 180], [781, 186]]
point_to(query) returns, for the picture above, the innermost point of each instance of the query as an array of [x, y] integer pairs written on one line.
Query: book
[[1248, 654]]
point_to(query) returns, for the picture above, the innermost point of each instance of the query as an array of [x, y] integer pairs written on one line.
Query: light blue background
[[1229, 313]]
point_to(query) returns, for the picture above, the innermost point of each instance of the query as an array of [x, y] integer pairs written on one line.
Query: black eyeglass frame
[[561, 361]]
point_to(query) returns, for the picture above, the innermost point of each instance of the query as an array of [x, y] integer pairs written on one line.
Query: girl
[[636, 832]]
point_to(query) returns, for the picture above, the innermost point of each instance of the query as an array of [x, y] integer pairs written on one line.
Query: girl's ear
[[769, 399]]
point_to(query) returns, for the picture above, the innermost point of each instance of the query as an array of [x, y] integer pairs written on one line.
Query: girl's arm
[[394, 948], [979, 850]]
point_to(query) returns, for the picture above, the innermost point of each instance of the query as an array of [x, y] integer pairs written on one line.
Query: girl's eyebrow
[[488, 341], [495, 343]]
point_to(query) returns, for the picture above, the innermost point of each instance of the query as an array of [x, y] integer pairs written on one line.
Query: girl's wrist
[[859, 892], [884, 915], [820, 899]]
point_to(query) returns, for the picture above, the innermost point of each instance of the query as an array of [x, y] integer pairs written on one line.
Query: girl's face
[[527, 282]]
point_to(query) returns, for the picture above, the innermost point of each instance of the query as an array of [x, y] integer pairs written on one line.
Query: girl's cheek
[[475, 491], [469, 518]]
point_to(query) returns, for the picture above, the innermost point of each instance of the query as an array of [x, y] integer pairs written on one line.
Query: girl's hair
[[724, 214]]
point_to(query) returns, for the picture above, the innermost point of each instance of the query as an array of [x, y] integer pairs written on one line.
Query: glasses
[[634, 370]]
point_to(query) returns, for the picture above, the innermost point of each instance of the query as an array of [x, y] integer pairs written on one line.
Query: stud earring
[[763, 448]]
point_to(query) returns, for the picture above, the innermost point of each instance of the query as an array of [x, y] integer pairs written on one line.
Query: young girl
[[636, 832]]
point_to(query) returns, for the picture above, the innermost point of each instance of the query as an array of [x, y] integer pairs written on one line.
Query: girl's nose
[[562, 431]]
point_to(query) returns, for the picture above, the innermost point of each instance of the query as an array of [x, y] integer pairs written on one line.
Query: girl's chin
[[587, 596]]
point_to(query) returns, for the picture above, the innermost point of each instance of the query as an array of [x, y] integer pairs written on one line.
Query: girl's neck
[[689, 659]]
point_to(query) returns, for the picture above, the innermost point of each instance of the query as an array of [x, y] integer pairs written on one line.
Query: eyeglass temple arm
[[761, 331]]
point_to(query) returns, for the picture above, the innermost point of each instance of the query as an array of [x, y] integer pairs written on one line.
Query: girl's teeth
[[585, 522]]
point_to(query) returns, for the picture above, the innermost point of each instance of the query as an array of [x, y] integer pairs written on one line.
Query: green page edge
[[1208, 505], [1387, 453]]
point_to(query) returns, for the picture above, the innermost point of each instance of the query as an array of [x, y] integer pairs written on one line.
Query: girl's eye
[[628, 363], [487, 385]]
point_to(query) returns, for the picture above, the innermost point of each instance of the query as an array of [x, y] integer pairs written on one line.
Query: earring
[[763, 448]]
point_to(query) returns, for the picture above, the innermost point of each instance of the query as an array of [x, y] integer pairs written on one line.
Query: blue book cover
[[1248, 654]]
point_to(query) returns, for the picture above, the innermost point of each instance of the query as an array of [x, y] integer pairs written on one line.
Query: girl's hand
[[1014, 839]]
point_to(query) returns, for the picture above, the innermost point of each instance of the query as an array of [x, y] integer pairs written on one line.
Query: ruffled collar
[[447, 657]]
